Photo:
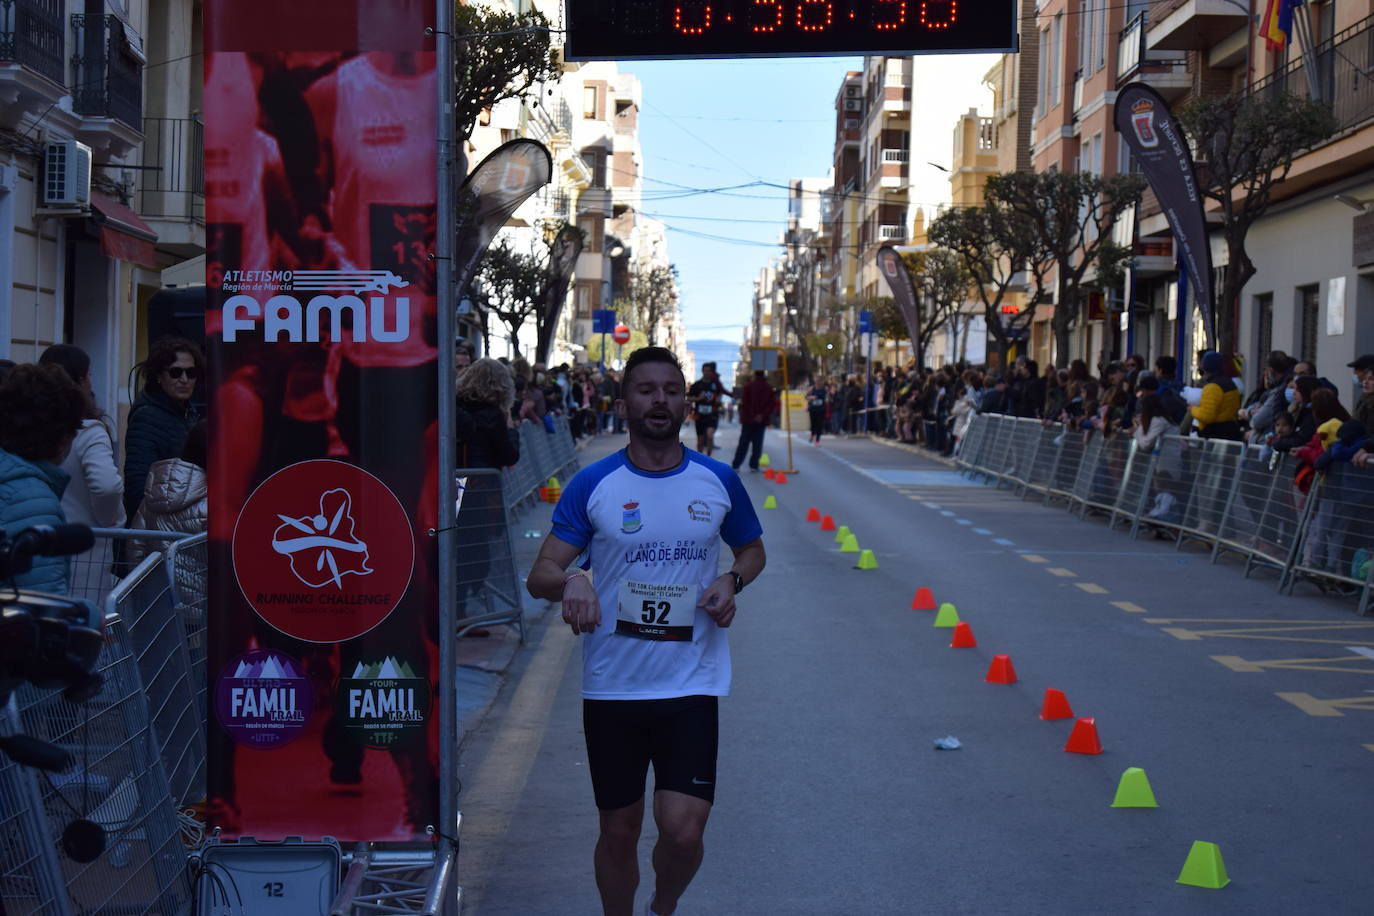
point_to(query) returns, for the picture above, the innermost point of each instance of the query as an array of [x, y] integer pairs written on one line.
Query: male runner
[[706, 395], [650, 519]]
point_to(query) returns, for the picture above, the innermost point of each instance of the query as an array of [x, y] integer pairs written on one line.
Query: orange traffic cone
[[813, 514], [963, 638], [780, 477], [770, 473], [1001, 671], [1056, 705], [1083, 739], [827, 524], [924, 600]]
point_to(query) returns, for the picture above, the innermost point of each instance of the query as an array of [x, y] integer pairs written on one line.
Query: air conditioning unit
[[67, 175], [851, 92], [853, 104]]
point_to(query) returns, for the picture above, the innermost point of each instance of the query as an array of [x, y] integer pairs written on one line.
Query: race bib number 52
[[659, 612]]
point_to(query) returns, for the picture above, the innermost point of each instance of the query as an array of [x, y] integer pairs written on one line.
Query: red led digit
[[692, 29], [928, 20], [777, 12], [895, 23], [814, 26]]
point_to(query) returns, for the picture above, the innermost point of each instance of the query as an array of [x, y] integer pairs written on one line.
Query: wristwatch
[[739, 581]]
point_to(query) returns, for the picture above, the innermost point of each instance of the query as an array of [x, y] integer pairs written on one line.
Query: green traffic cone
[[841, 534], [764, 461], [771, 502], [867, 561], [1204, 867], [1134, 790], [850, 545], [947, 616]]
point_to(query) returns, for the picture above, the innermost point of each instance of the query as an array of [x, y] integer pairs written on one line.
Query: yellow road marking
[[1060, 571], [1315, 706], [1246, 666], [1033, 558], [1091, 589], [1369, 747], [1273, 630], [1129, 606]]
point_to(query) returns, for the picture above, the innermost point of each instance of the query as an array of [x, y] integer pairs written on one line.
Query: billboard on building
[[320, 174]]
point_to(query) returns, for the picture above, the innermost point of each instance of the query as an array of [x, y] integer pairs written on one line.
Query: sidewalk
[[484, 661]]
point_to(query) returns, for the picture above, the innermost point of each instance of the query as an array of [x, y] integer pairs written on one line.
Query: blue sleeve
[[571, 522], [741, 524]]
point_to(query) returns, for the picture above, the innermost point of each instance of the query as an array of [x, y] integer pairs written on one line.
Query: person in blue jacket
[[41, 409], [163, 414]]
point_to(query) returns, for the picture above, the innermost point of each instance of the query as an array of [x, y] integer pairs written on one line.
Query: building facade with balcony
[[80, 266]]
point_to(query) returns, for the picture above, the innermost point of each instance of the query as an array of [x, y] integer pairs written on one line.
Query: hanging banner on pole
[[903, 288], [491, 194], [320, 174], [567, 245], [1150, 131]]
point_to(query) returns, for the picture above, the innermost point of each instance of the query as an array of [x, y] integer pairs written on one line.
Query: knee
[[684, 838], [620, 839]]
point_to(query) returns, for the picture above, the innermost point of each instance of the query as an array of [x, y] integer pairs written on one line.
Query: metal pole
[[868, 378], [445, 247], [786, 414]]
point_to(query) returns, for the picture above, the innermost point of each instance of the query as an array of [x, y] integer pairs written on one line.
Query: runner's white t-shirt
[[657, 535]]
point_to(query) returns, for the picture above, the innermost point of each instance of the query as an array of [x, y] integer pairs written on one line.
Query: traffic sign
[[621, 334], [603, 321], [865, 322], [663, 29]]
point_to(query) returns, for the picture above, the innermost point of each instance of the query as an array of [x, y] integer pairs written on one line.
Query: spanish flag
[[1277, 24]]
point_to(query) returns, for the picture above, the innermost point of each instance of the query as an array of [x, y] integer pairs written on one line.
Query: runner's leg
[[617, 858], [681, 821]]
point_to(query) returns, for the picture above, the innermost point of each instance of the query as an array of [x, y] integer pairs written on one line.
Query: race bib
[[705, 409], [664, 613]]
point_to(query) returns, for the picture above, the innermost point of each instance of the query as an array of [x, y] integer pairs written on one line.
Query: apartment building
[[1313, 293], [97, 125]]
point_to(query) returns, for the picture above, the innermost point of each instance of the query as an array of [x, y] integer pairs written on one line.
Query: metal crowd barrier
[[117, 782], [488, 586], [543, 454], [1228, 496]]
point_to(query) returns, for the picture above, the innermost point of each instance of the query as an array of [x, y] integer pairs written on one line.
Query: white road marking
[[1003, 541], [981, 531]]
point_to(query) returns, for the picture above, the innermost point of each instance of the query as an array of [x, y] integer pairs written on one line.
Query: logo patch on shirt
[[698, 511], [630, 522]]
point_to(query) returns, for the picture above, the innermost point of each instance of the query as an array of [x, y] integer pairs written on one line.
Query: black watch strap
[[739, 581]]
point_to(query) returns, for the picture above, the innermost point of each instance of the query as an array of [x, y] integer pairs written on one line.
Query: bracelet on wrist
[[571, 576]]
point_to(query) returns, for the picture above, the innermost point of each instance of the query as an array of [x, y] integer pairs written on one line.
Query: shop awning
[[123, 235]]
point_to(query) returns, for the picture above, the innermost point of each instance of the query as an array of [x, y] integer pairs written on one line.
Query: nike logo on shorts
[[700, 782]]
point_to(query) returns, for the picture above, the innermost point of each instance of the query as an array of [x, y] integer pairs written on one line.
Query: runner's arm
[[719, 599], [549, 579]]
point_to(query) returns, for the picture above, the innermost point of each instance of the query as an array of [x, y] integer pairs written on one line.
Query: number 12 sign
[[648, 29]]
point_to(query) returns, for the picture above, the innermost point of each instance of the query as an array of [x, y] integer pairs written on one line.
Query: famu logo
[[630, 522], [384, 703], [336, 318], [263, 700]]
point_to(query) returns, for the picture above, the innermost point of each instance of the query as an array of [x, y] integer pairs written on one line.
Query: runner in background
[[650, 519], [706, 396]]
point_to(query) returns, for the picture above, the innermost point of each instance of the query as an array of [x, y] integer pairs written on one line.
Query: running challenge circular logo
[[323, 551]]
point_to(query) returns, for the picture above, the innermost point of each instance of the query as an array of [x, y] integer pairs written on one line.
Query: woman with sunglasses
[[163, 414]]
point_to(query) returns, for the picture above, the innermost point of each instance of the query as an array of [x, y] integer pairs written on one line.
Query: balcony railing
[[1077, 90], [1133, 54], [987, 134], [31, 34], [889, 233], [172, 169], [107, 79], [896, 155], [1342, 78]]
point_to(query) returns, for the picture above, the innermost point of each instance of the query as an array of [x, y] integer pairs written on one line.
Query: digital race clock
[[630, 29]]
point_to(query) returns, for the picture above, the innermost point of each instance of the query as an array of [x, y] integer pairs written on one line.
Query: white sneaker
[[649, 908]]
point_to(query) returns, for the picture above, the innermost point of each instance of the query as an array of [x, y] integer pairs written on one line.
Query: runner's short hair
[[650, 355]]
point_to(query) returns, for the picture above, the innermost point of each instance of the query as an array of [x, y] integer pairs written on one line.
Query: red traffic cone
[[1001, 671], [1083, 740], [924, 600], [770, 473], [963, 638], [827, 524], [1056, 705], [813, 514], [780, 477]]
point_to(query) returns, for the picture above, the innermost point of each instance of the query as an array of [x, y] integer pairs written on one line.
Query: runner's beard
[[642, 430]]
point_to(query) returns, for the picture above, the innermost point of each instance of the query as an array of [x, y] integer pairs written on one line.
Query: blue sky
[[717, 124]]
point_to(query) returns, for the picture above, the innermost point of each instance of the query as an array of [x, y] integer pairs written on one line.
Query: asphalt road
[[1249, 711]]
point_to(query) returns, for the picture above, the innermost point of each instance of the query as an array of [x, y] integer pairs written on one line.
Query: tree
[[1001, 255], [1244, 145], [1071, 216], [653, 295], [942, 287], [498, 56], [511, 283]]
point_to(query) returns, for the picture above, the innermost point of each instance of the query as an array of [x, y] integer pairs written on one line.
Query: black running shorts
[[710, 421], [678, 736]]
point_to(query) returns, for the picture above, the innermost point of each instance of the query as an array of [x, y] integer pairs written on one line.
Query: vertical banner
[[904, 291], [320, 172], [1146, 125], [562, 259]]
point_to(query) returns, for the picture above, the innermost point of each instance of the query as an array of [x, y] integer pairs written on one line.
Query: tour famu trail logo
[[630, 521], [263, 699], [323, 548], [384, 702]]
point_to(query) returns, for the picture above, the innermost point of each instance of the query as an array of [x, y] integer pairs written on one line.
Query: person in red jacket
[[755, 410]]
